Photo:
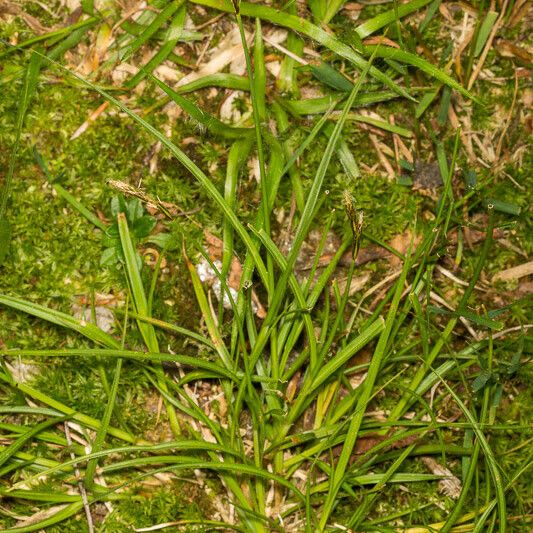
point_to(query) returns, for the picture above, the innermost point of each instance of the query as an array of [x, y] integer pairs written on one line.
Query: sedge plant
[[283, 449]]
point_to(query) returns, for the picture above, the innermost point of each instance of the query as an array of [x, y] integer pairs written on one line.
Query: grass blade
[[484, 31], [80, 207], [306, 219], [62, 514], [384, 19], [172, 37], [140, 303], [416, 61], [208, 316], [306, 28], [13, 448], [336, 481], [87, 329], [220, 79], [188, 361], [26, 94], [150, 30], [208, 121]]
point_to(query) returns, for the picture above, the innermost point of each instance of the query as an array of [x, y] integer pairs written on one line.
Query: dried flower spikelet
[[356, 220]]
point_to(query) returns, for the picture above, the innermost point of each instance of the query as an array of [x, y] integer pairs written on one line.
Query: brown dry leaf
[[517, 272], [510, 246], [105, 320], [102, 298], [382, 159], [379, 39], [215, 245], [356, 284], [365, 444], [151, 257], [521, 10], [525, 288], [215, 250], [229, 112], [167, 73], [467, 127], [352, 10], [34, 24], [508, 49], [451, 486], [122, 72], [399, 147], [445, 12], [273, 66], [21, 371], [402, 243], [98, 51], [73, 5], [406, 441], [485, 147], [293, 386], [229, 50], [41, 515], [526, 97], [9, 8]]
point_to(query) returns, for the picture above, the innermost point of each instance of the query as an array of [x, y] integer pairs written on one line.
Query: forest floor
[[146, 167]]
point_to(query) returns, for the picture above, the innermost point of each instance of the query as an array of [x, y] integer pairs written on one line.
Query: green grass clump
[[319, 413]]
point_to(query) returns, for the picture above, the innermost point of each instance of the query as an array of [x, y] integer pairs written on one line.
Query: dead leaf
[[352, 10], [151, 256], [41, 515], [525, 288], [356, 284], [229, 50], [167, 73], [365, 444], [379, 39], [520, 11], [517, 272], [208, 275], [229, 112], [22, 372], [97, 52], [34, 24], [383, 160], [402, 243], [508, 49], [451, 486], [104, 318]]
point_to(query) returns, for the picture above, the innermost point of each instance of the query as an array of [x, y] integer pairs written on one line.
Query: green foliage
[[141, 226]]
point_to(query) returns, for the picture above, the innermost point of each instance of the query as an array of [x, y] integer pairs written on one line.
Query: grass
[[315, 415]]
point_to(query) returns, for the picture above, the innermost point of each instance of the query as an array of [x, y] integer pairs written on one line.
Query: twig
[[383, 160], [83, 492], [501, 334]]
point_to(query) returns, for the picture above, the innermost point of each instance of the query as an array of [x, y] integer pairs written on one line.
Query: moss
[[144, 507], [176, 501]]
